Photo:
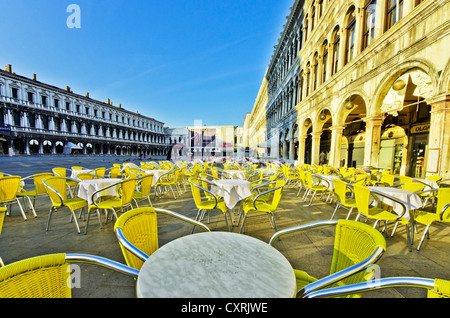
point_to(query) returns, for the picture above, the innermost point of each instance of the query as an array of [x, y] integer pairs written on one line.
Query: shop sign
[[420, 129]]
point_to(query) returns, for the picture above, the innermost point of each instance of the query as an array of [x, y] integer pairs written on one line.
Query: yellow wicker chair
[[340, 192], [362, 196], [39, 189], [145, 185], [137, 233], [48, 276], [413, 186], [85, 176], [313, 187], [62, 172], [57, 191], [100, 172], [442, 213], [351, 263], [206, 205], [9, 187], [168, 180], [126, 190], [436, 288], [259, 203]]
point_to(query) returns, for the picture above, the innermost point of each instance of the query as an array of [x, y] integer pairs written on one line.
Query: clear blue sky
[[174, 60]]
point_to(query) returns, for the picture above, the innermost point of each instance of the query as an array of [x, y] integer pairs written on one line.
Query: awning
[[34, 142], [69, 147], [47, 143]]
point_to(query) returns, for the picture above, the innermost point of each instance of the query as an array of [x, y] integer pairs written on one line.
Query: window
[[57, 122], [87, 110], [56, 102], [369, 23], [306, 27], [308, 77], [67, 105], [315, 70], [350, 40], [313, 16], [30, 97], [14, 92], [32, 120], [300, 87], [320, 8], [394, 12], [44, 100], [16, 117], [324, 61], [336, 44], [45, 122], [78, 108]]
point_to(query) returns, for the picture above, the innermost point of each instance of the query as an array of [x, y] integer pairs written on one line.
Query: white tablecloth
[[328, 178], [76, 172], [156, 174], [429, 184], [236, 174], [87, 187], [216, 265], [232, 191], [411, 199]]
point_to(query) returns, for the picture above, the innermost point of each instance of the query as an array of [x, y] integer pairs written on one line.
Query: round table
[[87, 187], [216, 265]]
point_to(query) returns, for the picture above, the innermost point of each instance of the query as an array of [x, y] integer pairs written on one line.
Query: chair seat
[[31, 193], [377, 213], [114, 203], [262, 206], [76, 204], [207, 205], [349, 203], [72, 183], [425, 218]]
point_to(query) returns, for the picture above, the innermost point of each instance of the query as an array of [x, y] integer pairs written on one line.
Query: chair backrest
[[85, 176], [9, 186], [277, 193], [44, 276], [115, 171], [196, 191], [413, 186], [57, 184], [405, 179], [38, 185], [354, 243], [140, 228], [77, 168], [146, 184], [362, 197], [128, 186], [434, 178], [60, 172], [339, 190], [387, 178], [100, 172], [442, 201]]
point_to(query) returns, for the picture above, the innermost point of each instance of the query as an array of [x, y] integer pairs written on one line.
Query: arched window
[[313, 15], [308, 79], [300, 86], [368, 23], [336, 44], [315, 70], [306, 28], [324, 60], [350, 49]]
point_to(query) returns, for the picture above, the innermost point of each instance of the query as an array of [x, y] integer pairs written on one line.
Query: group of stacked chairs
[[136, 230]]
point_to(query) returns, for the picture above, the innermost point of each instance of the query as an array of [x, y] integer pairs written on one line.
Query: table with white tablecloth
[[236, 174], [326, 179], [77, 172], [86, 188], [232, 191], [411, 200], [156, 174]]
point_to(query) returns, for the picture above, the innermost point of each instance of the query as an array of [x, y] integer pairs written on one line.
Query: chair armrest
[[393, 199], [443, 211], [105, 262], [102, 189], [321, 178], [265, 192], [301, 228], [349, 271], [56, 192]]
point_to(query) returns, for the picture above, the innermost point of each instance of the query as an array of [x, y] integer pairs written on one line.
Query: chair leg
[[423, 236], [272, 221], [49, 217], [350, 212], [335, 209], [21, 209], [76, 222], [32, 206], [243, 221]]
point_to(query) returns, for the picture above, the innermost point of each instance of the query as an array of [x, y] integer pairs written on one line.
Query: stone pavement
[[310, 251]]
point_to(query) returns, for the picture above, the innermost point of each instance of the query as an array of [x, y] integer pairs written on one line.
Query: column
[[372, 142], [335, 147], [301, 149], [292, 149], [439, 137], [315, 151]]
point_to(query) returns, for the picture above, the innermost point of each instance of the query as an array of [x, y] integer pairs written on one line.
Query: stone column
[[335, 147], [439, 137], [315, 151], [301, 149], [372, 142]]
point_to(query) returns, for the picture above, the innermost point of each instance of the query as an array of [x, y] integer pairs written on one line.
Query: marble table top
[[216, 265]]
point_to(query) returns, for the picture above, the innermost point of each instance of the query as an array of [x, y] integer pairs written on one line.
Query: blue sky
[[174, 60]]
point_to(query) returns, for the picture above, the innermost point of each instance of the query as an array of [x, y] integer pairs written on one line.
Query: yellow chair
[[363, 202], [137, 233], [39, 189], [387, 180], [352, 263], [313, 187], [168, 180], [145, 185], [436, 288], [9, 187], [62, 172], [412, 186], [435, 178], [100, 172], [258, 203], [208, 204], [49, 276], [57, 191], [115, 172], [126, 190], [85, 176], [442, 213], [340, 192]]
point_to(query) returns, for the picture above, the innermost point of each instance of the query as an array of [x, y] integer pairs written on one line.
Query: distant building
[[367, 82], [37, 118]]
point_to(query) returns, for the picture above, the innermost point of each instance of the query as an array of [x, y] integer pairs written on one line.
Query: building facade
[[37, 118], [367, 82]]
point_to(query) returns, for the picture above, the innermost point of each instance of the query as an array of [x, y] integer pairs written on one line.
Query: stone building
[[366, 82], [38, 118]]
